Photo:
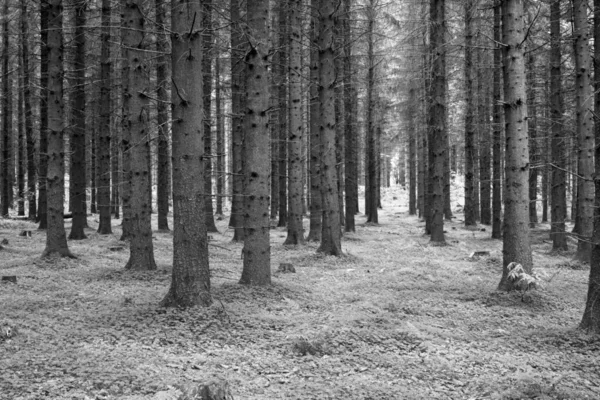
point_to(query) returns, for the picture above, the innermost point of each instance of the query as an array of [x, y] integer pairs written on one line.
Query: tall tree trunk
[[7, 144], [20, 141], [533, 145], [282, 71], [104, 136], [190, 282], [437, 118], [591, 314], [163, 173], [238, 87], [584, 128], [559, 196], [412, 152], [274, 115], [78, 127], [516, 243], [56, 237], [220, 138], [331, 233], [371, 140], [31, 169], [351, 142], [497, 130], [42, 215], [316, 205], [208, 40], [141, 249], [295, 231], [470, 188], [484, 143], [257, 249]]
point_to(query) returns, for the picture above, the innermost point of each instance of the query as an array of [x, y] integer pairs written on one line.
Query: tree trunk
[[257, 249], [190, 282], [42, 215], [484, 143], [282, 72], [141, 256], [208, 39], [331, 232], [533, 148], [7, 145], [371, 140], [56, 237], [163, 173], [238, 87], [316, 205], [437, 118], [220, 138], [31, 169], [591, 315], [516, 244], [274, 116], [350, 178], [584, 129], [412, 153], [470, 207], [78, 127], [497, 130], [20, 141], [295, 231]]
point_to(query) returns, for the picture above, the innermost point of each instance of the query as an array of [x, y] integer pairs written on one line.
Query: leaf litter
[[394, 318]]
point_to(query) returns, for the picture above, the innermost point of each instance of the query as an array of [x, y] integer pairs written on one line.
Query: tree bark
[[282, 72], [351, 142], [56, 237], [238, 87], [7, 143], [331, 232], [220, 138], [257, 249], [31, 169], [163, 173], [470, 188], [78, 127], [497, 130], [533, 145], [42, 215], [516, 243], [141, 256], [484, 143], [190, 281], [584, 129], [371, 140]]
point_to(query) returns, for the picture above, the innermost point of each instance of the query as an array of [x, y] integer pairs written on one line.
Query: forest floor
[[395, 318]]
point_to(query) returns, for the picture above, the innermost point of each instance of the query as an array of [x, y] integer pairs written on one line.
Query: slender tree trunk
[[78, 127], [412, 153], [484, 143], [437, 118], [516, 244], [7, 145], [350, 139], [42, 215], [371, 140], [533, 148], [220, 138], [331, 233], [20, 141], [591, 314], [31, 169], [497, 130], [163, 173], [238, 87], [295, 231], [283, 111], [584, 127], [141, 255], [56, 237], [257, 249], [190, 283], [470, 188], [208, 39], [316, 204], [274, 115]]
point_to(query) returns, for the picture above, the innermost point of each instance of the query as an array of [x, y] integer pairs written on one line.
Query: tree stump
[[286, 267]]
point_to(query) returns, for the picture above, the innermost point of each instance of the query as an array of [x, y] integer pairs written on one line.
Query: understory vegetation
[[394, 318]]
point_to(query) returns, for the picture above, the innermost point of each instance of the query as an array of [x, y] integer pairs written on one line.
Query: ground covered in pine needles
[[396, 318]]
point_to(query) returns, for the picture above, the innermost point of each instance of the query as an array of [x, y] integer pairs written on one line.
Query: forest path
[[395, 318]]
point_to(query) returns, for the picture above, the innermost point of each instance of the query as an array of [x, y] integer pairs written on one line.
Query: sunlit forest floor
[[395, 318]]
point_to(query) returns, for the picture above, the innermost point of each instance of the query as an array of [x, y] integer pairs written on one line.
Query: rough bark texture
[[257, 249], [190, 283], [497, 131], [238, 88], [141, 256], [372, 154], [485, 211], [591, 314], [516, 242], [6, 145], [78, 127], [163, 173], [584, 130], [295, 230], [56, 237], [470, 209], [220, 138], [21, 157], [208, 39], [351, 141], [412, 153], [31, 170], [532, 122], [316, 205], [42, 215], [282, 72], [331, 232]]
